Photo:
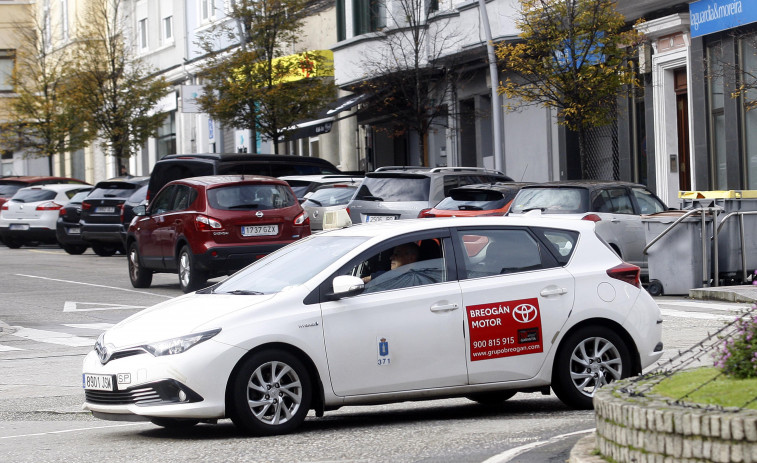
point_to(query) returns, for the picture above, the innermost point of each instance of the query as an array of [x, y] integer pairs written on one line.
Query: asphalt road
[[53, 306]]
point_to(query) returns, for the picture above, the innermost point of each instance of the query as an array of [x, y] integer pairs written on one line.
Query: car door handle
[[444, 307], [553, 292]]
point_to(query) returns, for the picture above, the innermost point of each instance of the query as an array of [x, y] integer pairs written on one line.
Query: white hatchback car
[[479, 307], [31, 215]]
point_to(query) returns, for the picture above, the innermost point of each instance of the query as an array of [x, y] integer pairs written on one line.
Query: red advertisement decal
[[504, 329]]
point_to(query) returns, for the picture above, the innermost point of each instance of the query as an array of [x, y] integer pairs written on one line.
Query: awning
[[325, 118]]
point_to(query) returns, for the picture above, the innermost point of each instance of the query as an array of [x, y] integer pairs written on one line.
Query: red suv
[[202, 227]]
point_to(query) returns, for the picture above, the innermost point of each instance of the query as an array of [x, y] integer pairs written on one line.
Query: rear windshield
[[552, 200], [470, 200], [9, 189], [394, 189], [300, 187], [241, 197], [33, 196], [113, 190], [335, 196], [78, 197]]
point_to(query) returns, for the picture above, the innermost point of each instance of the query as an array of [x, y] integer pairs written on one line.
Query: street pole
[[499, 153]]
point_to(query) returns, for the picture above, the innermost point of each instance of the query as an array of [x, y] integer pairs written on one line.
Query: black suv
[[103, 224], [179, 166]]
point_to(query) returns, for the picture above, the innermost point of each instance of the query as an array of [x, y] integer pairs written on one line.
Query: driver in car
[[401, 255]]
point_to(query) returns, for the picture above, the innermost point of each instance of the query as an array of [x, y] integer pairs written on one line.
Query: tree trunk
[[582, 152]]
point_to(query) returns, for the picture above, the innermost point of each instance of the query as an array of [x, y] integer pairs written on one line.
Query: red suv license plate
[[260, 230]]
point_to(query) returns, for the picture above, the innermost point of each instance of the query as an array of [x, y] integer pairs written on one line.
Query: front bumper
[[187, 385]]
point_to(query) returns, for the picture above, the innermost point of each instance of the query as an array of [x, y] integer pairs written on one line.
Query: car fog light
[[182, 396]]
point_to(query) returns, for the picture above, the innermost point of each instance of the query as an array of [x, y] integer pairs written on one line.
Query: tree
[[255, 84], [113, 84], [412, 67], [42, 118], [574, 57]]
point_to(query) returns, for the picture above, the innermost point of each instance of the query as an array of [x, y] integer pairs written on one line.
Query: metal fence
[[601, 155]]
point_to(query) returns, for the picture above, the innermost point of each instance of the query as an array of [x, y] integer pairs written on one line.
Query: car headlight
[[179, 345]]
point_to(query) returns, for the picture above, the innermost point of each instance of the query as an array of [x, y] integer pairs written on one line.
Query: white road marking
[[54, 337], [90, 326], [72, 430], [512, 453], [92, 284], [8, 348], [730, 307], [695, 315], [71, 306]]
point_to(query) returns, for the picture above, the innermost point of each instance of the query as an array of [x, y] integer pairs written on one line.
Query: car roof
[[57, 187], [496, 186], [590, 184], [398, 227], [392, 171], [134, 180], [230, 157], [27, 179], [322, 178], [216, 180]]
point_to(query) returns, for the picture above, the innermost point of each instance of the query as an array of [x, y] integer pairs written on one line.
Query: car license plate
[[260, 230], [380, 218], [98, 382], [19, 226], [74, 231], [105, 210]]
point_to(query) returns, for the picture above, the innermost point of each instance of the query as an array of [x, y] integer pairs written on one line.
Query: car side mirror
[[346, 286], [140, 210]]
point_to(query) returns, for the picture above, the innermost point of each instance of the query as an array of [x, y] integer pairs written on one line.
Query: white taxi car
[[478, 307]]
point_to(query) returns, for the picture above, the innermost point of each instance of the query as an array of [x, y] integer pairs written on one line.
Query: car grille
[[158, 393]]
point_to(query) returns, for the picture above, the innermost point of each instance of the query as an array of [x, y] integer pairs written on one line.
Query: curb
[[585, 451]]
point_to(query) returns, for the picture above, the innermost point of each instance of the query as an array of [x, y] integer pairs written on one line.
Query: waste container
[[676, 259], [730, 267]]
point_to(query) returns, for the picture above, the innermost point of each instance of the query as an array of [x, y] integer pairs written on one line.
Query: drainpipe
[[494, 77]]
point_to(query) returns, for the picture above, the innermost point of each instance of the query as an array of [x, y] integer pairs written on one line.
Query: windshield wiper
[[533, 209], [244, 292], [317, 203], [372, 198]]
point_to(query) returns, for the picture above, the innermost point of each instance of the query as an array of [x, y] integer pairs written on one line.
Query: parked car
[[203, 227], [103, 221], [68, 228], [327, 197], [401, 193], [178, 166], [616, 207], [30, 216], [302, 185], [536, 304], [476, 200], [11, 184]]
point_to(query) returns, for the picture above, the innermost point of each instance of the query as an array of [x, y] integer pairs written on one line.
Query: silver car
[[392, 193], [327, 198]]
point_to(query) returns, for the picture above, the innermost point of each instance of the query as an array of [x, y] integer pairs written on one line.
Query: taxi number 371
[[494, 342]]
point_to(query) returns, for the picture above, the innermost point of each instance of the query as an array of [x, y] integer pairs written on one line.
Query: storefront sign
[[708, 16]]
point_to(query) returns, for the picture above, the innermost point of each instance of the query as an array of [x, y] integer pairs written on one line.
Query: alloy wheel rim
[[594, 362], [184, 269], [274, 393], [134, 266]]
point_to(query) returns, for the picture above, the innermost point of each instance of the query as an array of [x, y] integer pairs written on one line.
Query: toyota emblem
[[525, 313], [259, 214]]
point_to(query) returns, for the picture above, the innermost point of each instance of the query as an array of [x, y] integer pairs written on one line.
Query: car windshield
[[551, 200], [290, 266], [9, 189], [336, 196], [34, 195], [472, 201], [251, 196], [399, 188]]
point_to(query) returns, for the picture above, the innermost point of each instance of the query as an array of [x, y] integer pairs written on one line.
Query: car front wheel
[[588, 359], [13, 243], [271, 393], [190, 277], [103, 250], [74, 249], [140, 277]]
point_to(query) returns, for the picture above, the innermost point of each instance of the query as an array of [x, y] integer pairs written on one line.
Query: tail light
[[302, 219], [203, 223], [122, 213], [62, 212], [592, 217], [631, 274], [4, 208], [85, 206], [49, 206], [424, 213]]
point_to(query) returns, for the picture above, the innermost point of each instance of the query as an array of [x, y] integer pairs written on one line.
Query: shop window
[[716, 97], [167, 136], [7, 62], [368, 16], [748, 52]]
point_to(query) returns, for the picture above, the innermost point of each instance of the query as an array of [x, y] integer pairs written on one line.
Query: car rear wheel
[[140, 277], [587, 360], [491, 398], [103, 250], [190, 277], [74, 249], [271, 393], [13, 243]]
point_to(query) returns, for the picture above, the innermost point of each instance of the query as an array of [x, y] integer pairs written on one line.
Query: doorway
[[682, 121]]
